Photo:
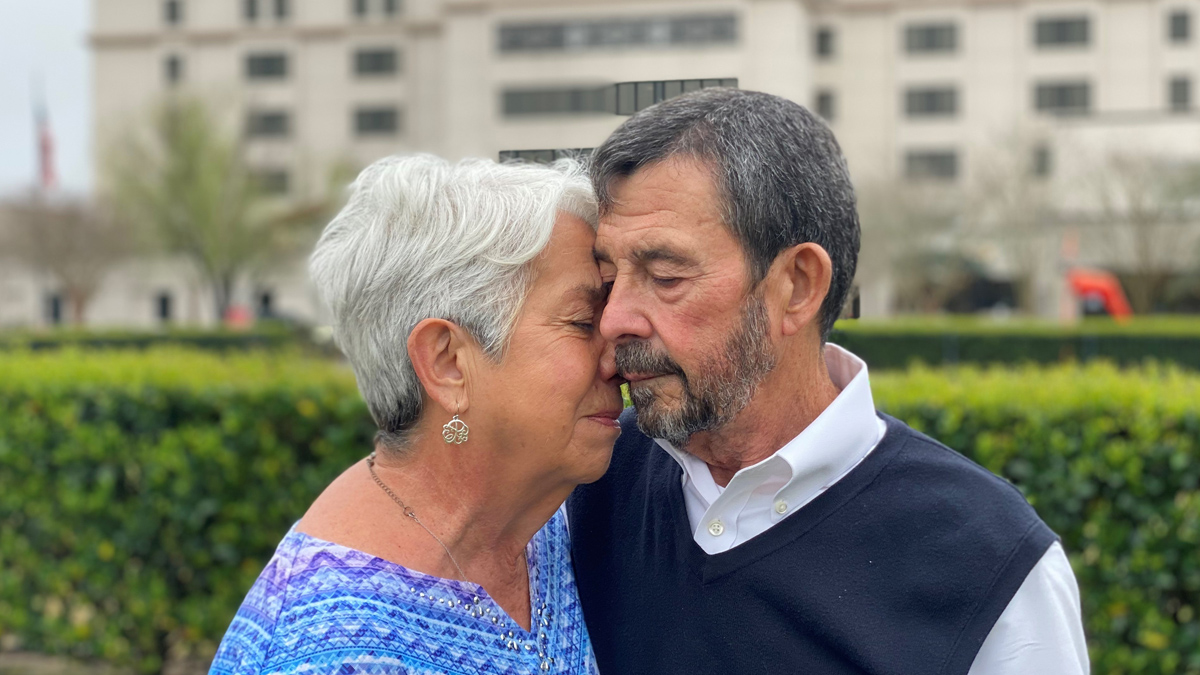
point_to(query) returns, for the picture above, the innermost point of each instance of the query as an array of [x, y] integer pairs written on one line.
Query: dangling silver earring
[[455, 431]]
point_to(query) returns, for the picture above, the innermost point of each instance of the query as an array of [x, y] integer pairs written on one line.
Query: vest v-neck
[[710, 568], [902, 566]]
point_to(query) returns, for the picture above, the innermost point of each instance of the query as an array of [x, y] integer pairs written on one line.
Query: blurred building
[[918, 92]]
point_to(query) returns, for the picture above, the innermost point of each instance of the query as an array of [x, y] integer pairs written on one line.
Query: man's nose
[[624, 316]]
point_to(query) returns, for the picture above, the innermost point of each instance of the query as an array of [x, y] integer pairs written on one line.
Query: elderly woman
[[466, 299]]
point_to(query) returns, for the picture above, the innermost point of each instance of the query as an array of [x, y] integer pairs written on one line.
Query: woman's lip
[[610, 422], [608, 418]]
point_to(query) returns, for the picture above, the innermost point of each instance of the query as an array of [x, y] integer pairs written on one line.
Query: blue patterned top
[[319, 607]]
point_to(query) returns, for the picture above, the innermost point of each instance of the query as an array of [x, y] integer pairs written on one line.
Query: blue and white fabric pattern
[[319, 607]]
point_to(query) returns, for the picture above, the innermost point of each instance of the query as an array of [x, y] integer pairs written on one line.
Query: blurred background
[[1028, 176]]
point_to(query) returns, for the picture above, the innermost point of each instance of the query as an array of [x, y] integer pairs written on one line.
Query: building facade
[[926, 92]]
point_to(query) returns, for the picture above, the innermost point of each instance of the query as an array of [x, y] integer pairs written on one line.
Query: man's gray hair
[[779, 171], [423, 238]]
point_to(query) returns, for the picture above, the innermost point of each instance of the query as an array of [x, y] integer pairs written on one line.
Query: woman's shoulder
[[308, 594]]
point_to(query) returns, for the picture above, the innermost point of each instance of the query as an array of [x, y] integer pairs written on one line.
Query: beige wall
[[452, 77]]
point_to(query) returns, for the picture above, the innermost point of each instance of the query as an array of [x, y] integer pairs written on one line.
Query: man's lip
[[638, 377]]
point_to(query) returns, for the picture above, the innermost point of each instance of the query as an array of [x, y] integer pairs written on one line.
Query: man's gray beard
[[711, 397]]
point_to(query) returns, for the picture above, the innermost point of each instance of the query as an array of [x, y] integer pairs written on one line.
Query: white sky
[[45, 40]]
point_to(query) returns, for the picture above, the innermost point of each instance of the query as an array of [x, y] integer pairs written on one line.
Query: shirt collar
[[819, 455]]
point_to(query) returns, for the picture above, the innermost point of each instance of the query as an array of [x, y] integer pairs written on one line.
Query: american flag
[[47, 177]]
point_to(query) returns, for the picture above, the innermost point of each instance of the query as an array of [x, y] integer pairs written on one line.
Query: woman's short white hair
[[424, 238]]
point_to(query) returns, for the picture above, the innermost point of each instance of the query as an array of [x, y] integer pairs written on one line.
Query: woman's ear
[[808, 271], [438, 351]]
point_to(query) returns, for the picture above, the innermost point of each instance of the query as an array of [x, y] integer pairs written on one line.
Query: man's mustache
[[639, 358]]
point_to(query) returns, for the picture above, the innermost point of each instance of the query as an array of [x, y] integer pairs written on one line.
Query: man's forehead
[[663, 184]]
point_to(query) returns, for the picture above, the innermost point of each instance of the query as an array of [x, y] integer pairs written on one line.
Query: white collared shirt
[[1041, 629]]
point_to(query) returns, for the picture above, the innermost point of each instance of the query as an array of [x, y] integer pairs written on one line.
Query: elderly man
[[759, 515]]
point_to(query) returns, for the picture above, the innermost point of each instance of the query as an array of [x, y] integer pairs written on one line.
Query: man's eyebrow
[[661, 255], [601, 256]]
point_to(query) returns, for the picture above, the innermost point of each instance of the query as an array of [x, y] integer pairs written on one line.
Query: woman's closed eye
[[585, 324]]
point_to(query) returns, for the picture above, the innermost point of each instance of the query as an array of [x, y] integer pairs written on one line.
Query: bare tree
[[1146, 201], [75, 242], [905, 224], [1012, 206], [188, 184]]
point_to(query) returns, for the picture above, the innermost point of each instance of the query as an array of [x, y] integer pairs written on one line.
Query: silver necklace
[[412, 514]]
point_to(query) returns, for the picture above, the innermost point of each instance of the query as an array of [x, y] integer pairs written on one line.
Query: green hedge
[[1111, 461], [898, 343], [141, 493]]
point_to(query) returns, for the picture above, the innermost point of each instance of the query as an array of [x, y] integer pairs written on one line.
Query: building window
[[1180, 94], [931, 165], [268, 124], [173, 12], [359, 7], [377, 121], [266, 66], [624, 98], [391, 7], [690, 31], [173, 69], [163, 307], [250, 10], [54, 309], [374, 62], [266, 304], [931, 38], [283, 9], [931, 102], [274, 182], [1063, 98], [556, 101], [1072, 31], [543, 156], [1042, 161], [826, 105], [634, 96], [825, 43], [1179, 26]]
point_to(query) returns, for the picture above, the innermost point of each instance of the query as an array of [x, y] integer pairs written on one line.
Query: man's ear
[[807, 272], [438, 351]]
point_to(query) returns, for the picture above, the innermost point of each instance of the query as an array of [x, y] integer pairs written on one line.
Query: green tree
[[186, 183]]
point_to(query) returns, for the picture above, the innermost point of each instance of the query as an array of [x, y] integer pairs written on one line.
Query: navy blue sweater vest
[[902, 567]]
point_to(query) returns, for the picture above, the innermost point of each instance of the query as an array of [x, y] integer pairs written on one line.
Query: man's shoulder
[[926, 477], [921, 453]]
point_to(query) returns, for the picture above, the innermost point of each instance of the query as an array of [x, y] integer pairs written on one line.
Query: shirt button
[[715, 528], [781, 507]]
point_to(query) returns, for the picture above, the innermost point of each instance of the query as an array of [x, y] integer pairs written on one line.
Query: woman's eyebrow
[[593, 295]]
